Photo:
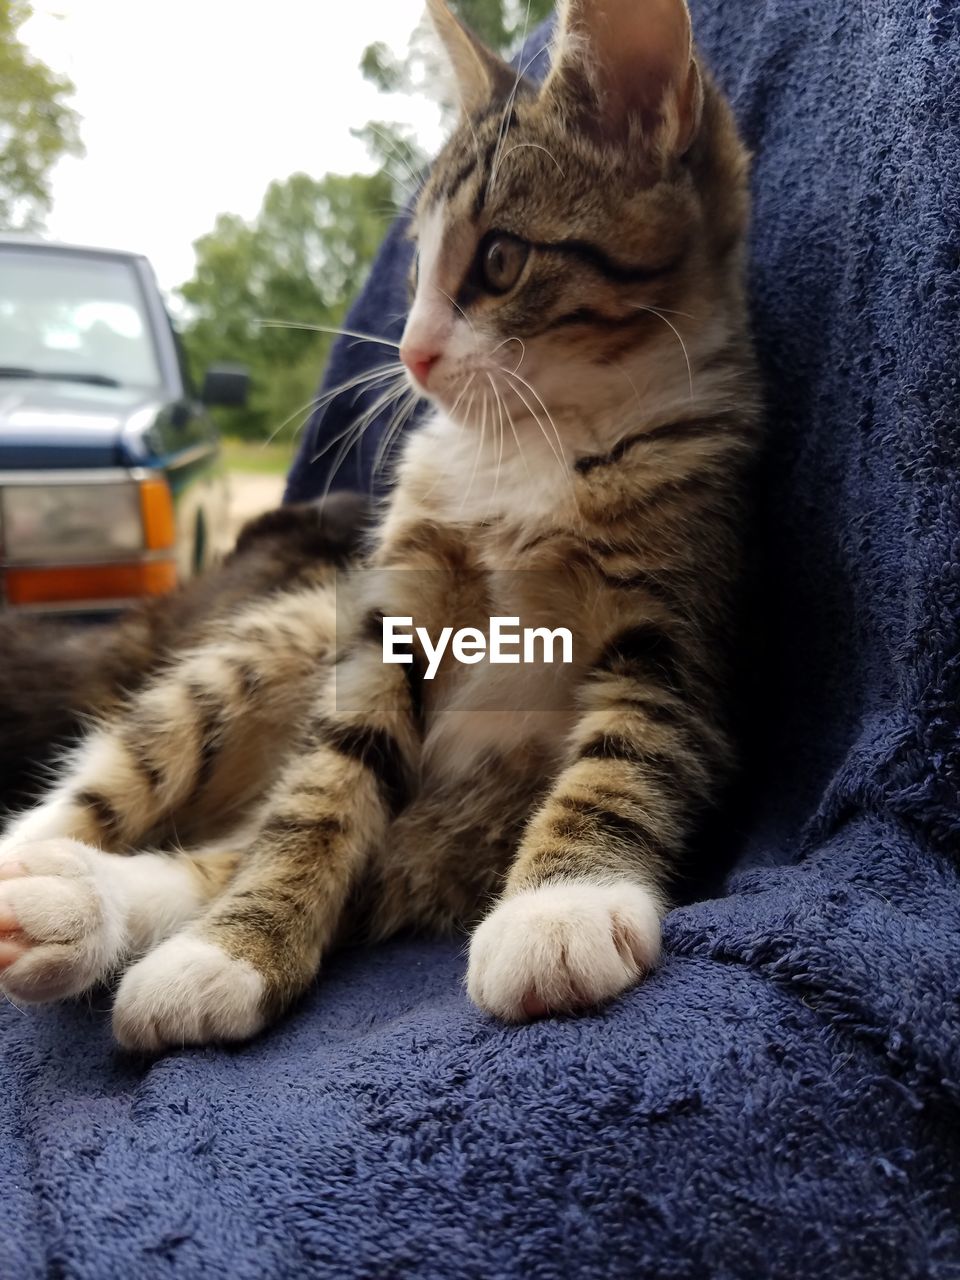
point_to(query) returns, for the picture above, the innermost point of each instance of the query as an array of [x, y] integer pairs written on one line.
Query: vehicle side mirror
[[226, 385]]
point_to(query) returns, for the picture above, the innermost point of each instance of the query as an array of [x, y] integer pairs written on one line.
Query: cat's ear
[[619, 61], [480, 74]]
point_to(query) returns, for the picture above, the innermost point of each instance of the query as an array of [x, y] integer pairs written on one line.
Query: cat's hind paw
[[187, 991], [563, 947], [61, 932]]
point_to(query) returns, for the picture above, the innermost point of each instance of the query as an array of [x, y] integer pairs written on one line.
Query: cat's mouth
[[451, 389], [486, 398], [494, 389], [486, 388]]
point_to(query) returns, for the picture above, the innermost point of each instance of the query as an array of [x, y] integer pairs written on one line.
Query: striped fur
[[585, 467]]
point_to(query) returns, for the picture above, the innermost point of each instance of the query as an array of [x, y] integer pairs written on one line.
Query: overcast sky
[[191, 107]]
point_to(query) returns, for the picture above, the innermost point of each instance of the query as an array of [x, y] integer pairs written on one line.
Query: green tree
[[298, 264], [37, 125]]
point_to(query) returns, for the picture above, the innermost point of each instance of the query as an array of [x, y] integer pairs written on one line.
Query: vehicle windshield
[[74, 317]]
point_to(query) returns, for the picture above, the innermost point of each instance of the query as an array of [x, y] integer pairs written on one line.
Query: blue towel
[[781, 1099]]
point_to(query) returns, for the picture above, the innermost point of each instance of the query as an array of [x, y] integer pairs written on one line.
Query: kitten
[[580, 292]]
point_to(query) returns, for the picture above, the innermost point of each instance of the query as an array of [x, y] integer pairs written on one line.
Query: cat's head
[[573, 234]]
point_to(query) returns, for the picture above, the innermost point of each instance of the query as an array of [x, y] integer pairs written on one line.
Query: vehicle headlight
[[73, 523]]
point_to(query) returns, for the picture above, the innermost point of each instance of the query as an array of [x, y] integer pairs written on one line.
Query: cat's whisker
[[322, 328], [441, 474], [543, 431], [466, 117], [348, 384], [385, 397], [415, 178], [676, 332], [405, 407], [561, 459], [476, 141], [410, 193], [315, 402], [466, 388], [516, 436], [366, 384], [468, 411], [351, 435], [536, 147], [508, 107], [342, 456], [378, 456], [486, 407], [458, 307], [502, 431], [633, 386], [668, 311], [306, 408], [523, 350], [354, 432], [388, 214], [477, 456], [397, 430], [538, 420]]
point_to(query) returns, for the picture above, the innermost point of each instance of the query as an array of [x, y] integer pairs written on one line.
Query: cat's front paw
[[187, 991], [563, 947], [61, 932]]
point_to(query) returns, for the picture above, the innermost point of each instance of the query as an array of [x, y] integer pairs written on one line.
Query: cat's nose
[[419, 362]]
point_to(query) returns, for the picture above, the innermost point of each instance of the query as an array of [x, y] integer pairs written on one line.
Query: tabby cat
[[580, 292]]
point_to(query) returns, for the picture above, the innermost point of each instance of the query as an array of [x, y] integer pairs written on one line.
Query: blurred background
[[255, 154]]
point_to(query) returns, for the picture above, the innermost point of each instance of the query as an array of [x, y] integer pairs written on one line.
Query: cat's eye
[[501, 260]]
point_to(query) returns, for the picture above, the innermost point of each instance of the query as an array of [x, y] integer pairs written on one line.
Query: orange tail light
[[90, 583]]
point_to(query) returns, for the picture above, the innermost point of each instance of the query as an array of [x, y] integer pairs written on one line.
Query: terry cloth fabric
[[781, 1099]]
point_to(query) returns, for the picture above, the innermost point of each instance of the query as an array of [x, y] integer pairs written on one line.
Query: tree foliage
[[37, 125], [299, 263]]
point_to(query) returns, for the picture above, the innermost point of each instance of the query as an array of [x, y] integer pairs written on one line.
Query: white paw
[[61, 928], [187, 991], [563, 947]]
